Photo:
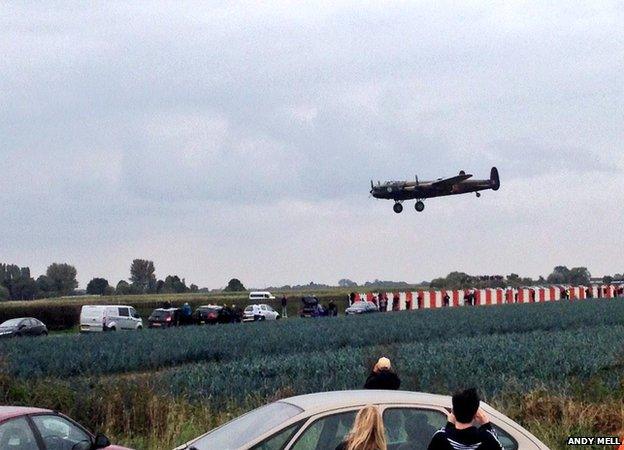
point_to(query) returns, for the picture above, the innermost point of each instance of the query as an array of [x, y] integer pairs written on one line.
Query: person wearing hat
[[382, 376]]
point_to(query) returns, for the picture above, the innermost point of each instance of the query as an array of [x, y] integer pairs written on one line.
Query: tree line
[[17, 283], [577, 276]]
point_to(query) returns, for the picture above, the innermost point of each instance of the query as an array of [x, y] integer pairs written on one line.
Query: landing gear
[[478, 194], [420, 206], [397, 208]]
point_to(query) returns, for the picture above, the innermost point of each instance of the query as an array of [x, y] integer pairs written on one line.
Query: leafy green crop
[[120, 352]]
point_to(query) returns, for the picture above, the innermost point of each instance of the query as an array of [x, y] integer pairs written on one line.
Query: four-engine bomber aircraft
[[419, 190]]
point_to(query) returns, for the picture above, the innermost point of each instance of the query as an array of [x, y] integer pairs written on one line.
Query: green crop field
[[556, 368]]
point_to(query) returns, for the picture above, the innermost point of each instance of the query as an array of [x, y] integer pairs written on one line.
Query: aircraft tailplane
[[494, 179]]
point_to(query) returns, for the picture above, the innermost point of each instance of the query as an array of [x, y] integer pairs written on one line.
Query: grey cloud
[[117, 119]]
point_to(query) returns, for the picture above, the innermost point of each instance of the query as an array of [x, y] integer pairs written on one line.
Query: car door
[[412, 427], [125, 321], [17, 434], [58, 433], [324, 431], [135, 319]]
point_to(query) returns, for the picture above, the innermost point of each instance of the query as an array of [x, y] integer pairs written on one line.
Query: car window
[[411, 428], [279, 440], [59, 433], [505, 439], [124, 312], [133, 313], [326, 433], [16, 434], [248, 427]]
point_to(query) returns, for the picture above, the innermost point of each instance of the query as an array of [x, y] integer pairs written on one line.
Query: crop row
[[517, 362], [71, 355]]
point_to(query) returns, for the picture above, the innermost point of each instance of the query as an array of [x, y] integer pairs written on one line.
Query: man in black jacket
[[468, 428], [383, 377]]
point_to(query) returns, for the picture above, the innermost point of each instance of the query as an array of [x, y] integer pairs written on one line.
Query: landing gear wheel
[[397, 208], [419, 206]]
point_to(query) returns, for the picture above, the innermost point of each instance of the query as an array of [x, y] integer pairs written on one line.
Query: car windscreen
[[247, 428], [11, 323], [159, 314], [249, 309], [208, 309]]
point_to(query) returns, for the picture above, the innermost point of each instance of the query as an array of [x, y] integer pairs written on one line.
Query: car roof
[[323, 401], [8, 412], [210, 306], [166, 309]]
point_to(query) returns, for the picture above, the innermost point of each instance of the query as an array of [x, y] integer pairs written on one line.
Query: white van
[[261, 295], [109, 318]]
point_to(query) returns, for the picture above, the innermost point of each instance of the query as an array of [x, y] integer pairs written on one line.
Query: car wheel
[[139, 328], [112, 329], [45, 333]]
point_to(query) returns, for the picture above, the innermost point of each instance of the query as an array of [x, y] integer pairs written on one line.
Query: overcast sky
[[239, 140]]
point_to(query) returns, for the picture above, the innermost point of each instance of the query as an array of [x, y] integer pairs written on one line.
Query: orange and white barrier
[[432, 298]]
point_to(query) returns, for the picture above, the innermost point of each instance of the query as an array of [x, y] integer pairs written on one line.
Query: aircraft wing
[[451, 180]]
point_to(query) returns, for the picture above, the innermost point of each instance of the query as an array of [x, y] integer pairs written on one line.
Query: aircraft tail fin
[[494, 179]]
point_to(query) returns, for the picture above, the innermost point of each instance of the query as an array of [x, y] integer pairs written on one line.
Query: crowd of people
[[468, 425]]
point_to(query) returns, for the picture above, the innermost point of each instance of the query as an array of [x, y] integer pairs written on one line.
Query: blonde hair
[[368, 431]]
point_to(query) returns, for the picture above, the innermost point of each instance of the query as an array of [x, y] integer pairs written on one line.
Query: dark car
[[23, 326], [213, 314], [312, 307], [362, 307], [164, 318]]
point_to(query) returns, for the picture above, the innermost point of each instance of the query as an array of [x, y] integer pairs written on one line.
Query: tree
[[345, 282], [607, 279], [172, 284], [62, 278], [97, 286], [123, 288], [559, 275], [235, 285], [44, 285], [579, 276], [194, 288], [25, 288], [4, 293], [142, 275]]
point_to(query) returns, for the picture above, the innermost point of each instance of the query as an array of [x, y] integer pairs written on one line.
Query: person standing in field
[[284, 306], [420, 300], [468, 426], [382, 376], [408, 302], [368, 431], [446, 299], [186, 313], [383, 304]]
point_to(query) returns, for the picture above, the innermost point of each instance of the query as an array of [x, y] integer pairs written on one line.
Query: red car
[[24, 428]]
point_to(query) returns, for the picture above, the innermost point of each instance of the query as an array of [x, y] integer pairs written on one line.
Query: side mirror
[[101, 441]]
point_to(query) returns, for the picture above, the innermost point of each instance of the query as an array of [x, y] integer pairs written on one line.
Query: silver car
[[321, 421]]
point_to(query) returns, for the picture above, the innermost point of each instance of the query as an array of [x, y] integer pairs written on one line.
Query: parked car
[[261, 295], [259, 312], [164, 318], [213, 314], [312, 307], [41, 429], [361, 307], [320, 421], [22, 326], [109, 318]]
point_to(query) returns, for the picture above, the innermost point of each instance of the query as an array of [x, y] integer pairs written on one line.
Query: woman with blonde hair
[[367, 433]]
